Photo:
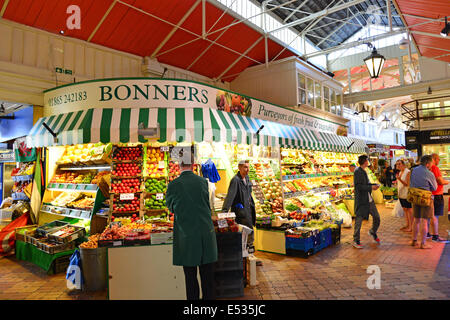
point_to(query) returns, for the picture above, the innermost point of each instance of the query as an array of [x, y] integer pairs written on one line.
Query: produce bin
[[94, 267]]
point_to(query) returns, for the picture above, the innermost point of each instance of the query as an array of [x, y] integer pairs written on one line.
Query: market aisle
[[337, 272]]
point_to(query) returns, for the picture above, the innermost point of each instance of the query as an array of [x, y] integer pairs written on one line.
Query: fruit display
[[83, 201], [154, 203], [64, 198], [126, 170], [73, 177], [155, 163], [20, 186], [114, 232], [99, 175], [126, 206], [173, 170], [84, 153], [24, 169], [125, 185], [155, 186], [92, 242], [231, 226], [127, 153]]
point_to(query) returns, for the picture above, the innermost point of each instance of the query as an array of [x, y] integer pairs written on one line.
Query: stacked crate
[[229, 268]]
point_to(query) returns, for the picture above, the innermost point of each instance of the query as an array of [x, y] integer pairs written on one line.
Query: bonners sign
[[164, 93]]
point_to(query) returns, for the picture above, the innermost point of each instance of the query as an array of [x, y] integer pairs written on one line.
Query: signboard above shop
[[168, 93]]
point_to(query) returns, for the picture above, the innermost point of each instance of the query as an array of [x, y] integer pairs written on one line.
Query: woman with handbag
[[403, 177], [422, 184]]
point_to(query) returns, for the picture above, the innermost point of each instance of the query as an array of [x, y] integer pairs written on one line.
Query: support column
[[401, 71], [349, 77]]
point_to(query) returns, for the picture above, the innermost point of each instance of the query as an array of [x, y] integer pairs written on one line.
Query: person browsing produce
[[240, 200], [194, 237]]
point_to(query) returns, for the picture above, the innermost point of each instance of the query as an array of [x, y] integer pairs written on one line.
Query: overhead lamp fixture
[[446, 30], [429, 90], [374, 62], [386, 122], [364, 114]]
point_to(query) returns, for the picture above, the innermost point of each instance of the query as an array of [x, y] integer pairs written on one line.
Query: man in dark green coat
[[194, 237]]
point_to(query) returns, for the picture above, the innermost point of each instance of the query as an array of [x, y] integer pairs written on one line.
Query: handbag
[[419, 197]]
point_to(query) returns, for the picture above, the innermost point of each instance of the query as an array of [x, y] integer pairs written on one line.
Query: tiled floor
[[337, 272]]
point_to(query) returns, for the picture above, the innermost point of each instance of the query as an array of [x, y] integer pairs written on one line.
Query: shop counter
[[270, 241], [27, 252], [144, 273]]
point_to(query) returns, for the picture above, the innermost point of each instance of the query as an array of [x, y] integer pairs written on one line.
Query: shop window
[[356, 128], [447, 108], [326, 98], [362, 129], [340, 107], [318, 95], [310, 91], [301, 89], [431, 110]]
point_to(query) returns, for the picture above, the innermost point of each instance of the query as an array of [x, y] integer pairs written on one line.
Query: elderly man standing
[[239, 198], [422, 178], [194, 237], [438, 201]]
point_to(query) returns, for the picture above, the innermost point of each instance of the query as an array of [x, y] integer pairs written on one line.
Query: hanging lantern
[[374, 63], [386, 122], [364, 114]]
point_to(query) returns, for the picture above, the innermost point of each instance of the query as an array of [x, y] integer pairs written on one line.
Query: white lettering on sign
[[127, 196]]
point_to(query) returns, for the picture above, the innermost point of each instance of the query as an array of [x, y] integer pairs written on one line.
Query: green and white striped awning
[[178, 125]]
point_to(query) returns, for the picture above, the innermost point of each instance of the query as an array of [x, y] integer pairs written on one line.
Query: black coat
[[238, 192], [362, 190]]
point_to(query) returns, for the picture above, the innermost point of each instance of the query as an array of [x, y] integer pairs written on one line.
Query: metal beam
[[394, 2], [174, 29], [388, 6], [313, 23], [296, 10], [344, 23], [430, 35], [102, 20], [4, 8], [239, 58], [355, 43], [318, 15], [204, 51], [203, 19]]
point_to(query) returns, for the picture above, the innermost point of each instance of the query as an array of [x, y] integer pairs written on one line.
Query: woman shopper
[[403, 177]]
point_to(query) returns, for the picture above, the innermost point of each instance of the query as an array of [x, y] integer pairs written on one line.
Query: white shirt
[[402, 189]]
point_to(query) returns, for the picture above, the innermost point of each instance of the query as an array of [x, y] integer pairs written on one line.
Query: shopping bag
[[245, 232], [398, 210], [74, 276]]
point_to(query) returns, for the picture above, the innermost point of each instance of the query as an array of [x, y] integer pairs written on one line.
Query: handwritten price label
[[222, 223], [127, 196], [161, 165], [225, 215], [159, 196], [164, 148]]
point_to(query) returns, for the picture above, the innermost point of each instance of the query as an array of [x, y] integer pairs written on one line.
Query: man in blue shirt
[[423, 178]]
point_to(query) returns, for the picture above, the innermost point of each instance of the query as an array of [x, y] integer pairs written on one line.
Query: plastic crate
[[302, 244], [336, 235], [325, 240], [61, 264], [229, 265], [79, 232], [229, 241], [229, 284]]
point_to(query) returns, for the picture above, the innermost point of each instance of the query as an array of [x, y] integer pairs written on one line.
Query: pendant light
[[386, 122], [364, 114], [374, 63]]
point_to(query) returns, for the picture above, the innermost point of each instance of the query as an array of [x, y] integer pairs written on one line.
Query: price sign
[[117, 243], [224, 215], [127, 196], [161, 165], [261, 201], [164, 148], [98, 150], [159, 196], [222, 223]]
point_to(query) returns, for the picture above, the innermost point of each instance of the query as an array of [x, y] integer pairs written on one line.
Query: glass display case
[[443, 150]]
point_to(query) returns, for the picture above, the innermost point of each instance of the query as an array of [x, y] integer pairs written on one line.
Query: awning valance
[[180, 125]]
